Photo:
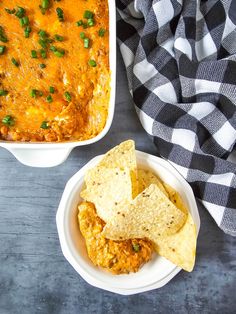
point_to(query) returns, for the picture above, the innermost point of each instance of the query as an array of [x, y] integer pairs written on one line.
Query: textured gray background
[[35, 277]]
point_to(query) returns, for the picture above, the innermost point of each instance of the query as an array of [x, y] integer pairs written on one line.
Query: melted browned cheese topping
[[76, 65]]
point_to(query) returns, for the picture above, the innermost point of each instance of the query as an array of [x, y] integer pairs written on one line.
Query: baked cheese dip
[[54, 69]]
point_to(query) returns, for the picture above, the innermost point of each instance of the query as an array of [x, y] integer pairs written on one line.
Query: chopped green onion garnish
[[8, 120], [3, 36], [79, 23], [59, 52], [13, 11], [53, 48], [49, 99], [9, 11], [51, 90], [40, 93], [20, 12], [45, 4], [58, 37], [24, 21], [3, 92], [60, 14], [85, 25], [2, 49], [43, 53], [42, 34], [43, 43], [86, 42], [34, 54], [44, 125], [68, 96], [101, 32], [88, 14], [91, 22], [27, 31], [16, 63], [136, 247], [42, 66], [82, 35], [92, 63], [33, 93]]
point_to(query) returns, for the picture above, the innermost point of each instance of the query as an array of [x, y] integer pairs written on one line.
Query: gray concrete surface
[[35, 277]]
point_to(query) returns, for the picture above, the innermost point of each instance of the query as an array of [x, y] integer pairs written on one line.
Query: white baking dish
[[53, 154], [157, 272]]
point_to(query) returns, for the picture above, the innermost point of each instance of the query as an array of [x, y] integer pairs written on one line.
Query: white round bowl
[[157, 272]]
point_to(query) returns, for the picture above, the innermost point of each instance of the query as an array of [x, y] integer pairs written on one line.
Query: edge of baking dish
[[54, 154]]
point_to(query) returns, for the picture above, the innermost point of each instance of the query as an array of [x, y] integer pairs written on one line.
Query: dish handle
[[41, 158]]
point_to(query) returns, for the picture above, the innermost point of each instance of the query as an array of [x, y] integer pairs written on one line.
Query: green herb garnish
[[101, 32], [34, 54], [86, 42], [49, 99], [43, 53], [58, 38], [44, 125], [43, 43], [8, 120], [20, 12], [88, 14], [13, 11], [92, 63], [16, 63], [42, 66], [45, 5], [3, 92], [60, 14], [33, 93], [79, 23], [82, 35], [67, 96], [24, 21], [91, 22], [3, 37], [136, 247], [2, 49], [51, 90], [59, 52], [27, 31]]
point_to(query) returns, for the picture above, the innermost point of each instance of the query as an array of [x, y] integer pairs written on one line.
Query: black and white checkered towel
[[180, 57]]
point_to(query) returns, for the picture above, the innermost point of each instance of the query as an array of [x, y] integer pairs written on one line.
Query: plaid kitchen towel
[[180, 57]]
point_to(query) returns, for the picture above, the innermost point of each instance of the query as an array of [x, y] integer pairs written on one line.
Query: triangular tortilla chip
[[123, 156], [150, 215], [146, 178], [179, 248], [106, 188], [175, 198]]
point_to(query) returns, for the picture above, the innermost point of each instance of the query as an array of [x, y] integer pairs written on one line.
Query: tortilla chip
[[179, 248], [176, 198], [146, 178], [123, 156], [106, 188], [150, 215]]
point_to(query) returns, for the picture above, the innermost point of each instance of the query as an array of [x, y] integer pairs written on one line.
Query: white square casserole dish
[[53, 154]]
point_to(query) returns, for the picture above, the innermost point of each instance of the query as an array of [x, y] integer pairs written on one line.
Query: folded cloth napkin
[[180, 57]]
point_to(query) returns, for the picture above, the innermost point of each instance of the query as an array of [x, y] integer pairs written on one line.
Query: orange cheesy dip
[[54, 69], [117, 257]]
